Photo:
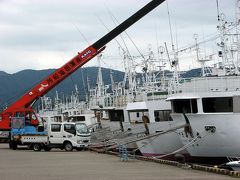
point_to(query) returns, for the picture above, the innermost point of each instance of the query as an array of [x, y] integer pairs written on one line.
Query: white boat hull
[[163, 145], [216, 135]]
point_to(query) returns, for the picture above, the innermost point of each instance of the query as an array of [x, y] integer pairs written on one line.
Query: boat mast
[[100, 84], [237, 5], [174, 62], [129, 82], [229, 66]]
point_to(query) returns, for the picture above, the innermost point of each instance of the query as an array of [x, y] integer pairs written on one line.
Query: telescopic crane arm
[[26, 101]]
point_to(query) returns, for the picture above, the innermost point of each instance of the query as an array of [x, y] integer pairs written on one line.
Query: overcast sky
[[42, 34]]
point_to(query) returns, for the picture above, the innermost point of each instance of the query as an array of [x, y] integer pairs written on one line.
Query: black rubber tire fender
[[47, 148], [14, 145]]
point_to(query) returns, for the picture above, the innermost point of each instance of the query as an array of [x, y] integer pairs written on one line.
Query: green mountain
[[13, 86]]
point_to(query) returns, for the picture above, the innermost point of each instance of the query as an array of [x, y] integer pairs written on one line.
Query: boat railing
[[211, 84]]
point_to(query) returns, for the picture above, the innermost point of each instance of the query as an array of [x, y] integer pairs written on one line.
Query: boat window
[[162, 115], [57, 119], [55, 127], [185, 106], [70, 128], [217, 104], [134, 117], [78, 118], [137, 114]]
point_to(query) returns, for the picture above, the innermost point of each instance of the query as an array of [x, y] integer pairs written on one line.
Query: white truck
[[66, 135]]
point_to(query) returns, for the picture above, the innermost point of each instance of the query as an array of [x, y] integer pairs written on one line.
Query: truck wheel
[[47, 148], [68, 146], [37, 147]]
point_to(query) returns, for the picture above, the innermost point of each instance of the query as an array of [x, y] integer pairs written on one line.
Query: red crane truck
[[25, 103]]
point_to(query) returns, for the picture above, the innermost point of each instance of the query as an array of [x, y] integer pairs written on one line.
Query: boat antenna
[[176, 35], [81, 33], [158, 56], [168, 55], [83, 82], [218, 14], [115, 39], [115, 21], [237, 4], [170, 26]]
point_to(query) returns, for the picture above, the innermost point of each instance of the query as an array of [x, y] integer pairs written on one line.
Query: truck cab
[[63, 135], [68, 135]]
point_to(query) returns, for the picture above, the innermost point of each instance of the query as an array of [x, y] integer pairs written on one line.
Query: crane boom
[[26, 101]]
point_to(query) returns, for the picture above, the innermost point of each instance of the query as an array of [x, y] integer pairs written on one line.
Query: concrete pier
[[60, 165]]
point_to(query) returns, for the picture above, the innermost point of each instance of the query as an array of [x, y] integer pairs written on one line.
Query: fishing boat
[[163, 141], [210, 104], [212, 111]]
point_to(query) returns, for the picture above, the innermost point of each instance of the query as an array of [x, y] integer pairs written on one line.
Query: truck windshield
[[82, 128]]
